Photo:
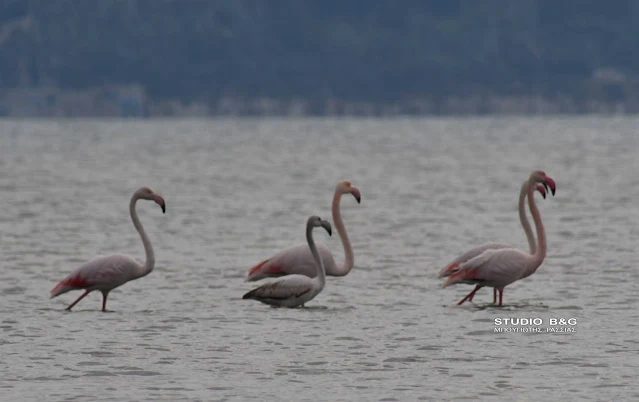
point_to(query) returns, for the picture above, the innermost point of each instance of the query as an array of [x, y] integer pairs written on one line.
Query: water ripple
[[240, 190]]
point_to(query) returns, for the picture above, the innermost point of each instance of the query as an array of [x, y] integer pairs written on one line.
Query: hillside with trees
[[355, 51]]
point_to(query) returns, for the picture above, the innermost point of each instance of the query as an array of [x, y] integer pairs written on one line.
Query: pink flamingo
[[109, 272], [499, 268], [299, 259], [453, 266]]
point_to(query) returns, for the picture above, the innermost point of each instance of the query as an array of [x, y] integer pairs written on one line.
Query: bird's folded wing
[[497, 264], [286, 288], [468, 255]]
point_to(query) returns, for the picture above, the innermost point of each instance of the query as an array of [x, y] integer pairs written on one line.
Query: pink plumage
[[498, 267], [299, 260], [109, 272]]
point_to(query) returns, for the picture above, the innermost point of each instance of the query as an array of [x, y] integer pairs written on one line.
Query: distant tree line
[[353, 50]]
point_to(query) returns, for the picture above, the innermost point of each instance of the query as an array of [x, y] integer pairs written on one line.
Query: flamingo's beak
[[326, 225], [160, 201], [551, 184], [541, 190], [356, 194]]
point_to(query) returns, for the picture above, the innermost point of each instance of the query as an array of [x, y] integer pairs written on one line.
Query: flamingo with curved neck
[[109, 272], [295, 290], [523, 219], [343, 187], [299, 260], [499, 268]]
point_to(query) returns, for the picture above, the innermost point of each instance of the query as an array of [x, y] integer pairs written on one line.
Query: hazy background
[[307, 57]]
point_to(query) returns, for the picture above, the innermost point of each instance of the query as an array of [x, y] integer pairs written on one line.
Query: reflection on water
[[237, 191]]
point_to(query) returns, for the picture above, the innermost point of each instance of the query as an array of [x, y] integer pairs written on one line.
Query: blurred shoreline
[[132, 101]]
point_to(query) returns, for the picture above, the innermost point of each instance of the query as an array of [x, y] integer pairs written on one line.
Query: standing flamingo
[[298, 259], [452, 267], [109, 272], [295, 290], [499, 268]]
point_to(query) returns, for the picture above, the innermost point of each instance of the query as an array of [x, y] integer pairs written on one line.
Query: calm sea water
[[237, 191]]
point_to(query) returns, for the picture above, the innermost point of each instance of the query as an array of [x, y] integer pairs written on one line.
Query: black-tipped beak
[[551, 184], [326, 225], [545, 186], [160, 201], [543, 195], [356, 194]]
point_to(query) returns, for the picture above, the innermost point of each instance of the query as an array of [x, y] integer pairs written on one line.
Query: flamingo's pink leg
[[469, 296], [104, 298], [470, 299], [76, 302]]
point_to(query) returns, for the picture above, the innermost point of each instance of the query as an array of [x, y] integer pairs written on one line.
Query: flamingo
[[452, 267], [499, 268], [295, 290], [109, 272], [298, 259]]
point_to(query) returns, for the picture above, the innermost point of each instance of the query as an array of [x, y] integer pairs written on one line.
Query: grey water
[[239, 190]]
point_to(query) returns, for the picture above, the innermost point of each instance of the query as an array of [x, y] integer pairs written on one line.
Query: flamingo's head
[[146, 193], [539, 176], [345, 187], [316, 222]]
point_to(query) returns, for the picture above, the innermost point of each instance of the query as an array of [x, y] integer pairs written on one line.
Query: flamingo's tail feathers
[[448, 270], [254, 272], [263, 270], [69, 283], [249, 295], [461, 276], [59, 289]]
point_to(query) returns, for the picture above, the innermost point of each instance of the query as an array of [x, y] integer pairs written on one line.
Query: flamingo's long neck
[[349, 259], [524, 219], [321, 274], [148, 249], [540, 254]]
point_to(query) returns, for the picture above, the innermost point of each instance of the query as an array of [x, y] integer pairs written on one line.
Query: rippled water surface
[[237, 191]]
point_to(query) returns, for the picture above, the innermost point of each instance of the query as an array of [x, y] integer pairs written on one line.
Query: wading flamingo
[[295, 290], [452, 267], [109, 272], [498, 268], [298, 259]]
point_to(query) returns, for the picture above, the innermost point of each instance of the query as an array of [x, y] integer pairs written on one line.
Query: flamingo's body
[[102, 273], [467, 256], [109, 272], [295, 290], [294, 260], [498, 268], [299, 260]]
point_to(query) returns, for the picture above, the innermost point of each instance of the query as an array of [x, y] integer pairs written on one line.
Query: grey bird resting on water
[[295, 290]]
